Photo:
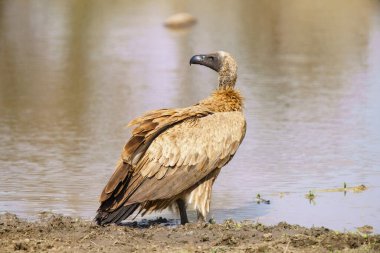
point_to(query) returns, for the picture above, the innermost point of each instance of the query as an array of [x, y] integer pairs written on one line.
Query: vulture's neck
[[225, 99]]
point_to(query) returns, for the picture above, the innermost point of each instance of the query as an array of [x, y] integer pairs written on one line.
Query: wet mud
[[56, 233]]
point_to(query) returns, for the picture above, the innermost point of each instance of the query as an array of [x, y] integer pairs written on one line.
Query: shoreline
[[57, 233]]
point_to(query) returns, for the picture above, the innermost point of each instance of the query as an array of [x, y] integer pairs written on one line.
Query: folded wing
[[170, 152]]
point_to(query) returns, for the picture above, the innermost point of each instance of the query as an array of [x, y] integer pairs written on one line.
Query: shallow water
[[73, 73]]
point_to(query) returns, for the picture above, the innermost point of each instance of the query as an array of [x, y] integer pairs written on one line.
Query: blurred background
[[74, 73]]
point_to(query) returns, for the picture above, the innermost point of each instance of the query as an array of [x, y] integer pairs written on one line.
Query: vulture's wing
[[170, 156], [183, 155], [148, 127]]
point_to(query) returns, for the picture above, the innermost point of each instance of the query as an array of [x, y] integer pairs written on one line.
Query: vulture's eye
[[211, 58]]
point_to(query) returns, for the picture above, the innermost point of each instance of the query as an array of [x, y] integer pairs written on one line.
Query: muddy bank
[[56, 233]]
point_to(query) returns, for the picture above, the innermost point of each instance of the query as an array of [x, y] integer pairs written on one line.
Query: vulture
[[174, 155]]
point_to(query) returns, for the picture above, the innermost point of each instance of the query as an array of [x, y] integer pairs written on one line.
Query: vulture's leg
[[201, 218], [182, 211]]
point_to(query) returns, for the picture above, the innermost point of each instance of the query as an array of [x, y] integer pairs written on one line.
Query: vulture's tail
[[120, 214]]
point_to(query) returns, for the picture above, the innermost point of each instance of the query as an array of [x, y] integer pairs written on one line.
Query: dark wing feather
[[103, 217]]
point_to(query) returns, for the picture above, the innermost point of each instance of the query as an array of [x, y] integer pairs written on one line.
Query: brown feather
[[120, 174]]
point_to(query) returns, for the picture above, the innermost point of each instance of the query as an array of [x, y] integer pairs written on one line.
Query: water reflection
[[73, 73]]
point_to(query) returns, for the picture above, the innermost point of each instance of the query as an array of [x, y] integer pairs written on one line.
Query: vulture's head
[[222, 62]]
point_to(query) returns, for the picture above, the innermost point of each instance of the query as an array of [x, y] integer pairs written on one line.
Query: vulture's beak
[[209, 60]]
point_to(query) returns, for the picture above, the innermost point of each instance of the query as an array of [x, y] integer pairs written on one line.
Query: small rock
[[20, 246], [205, 239], [366, 229], [267, 236], [180, 20]]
